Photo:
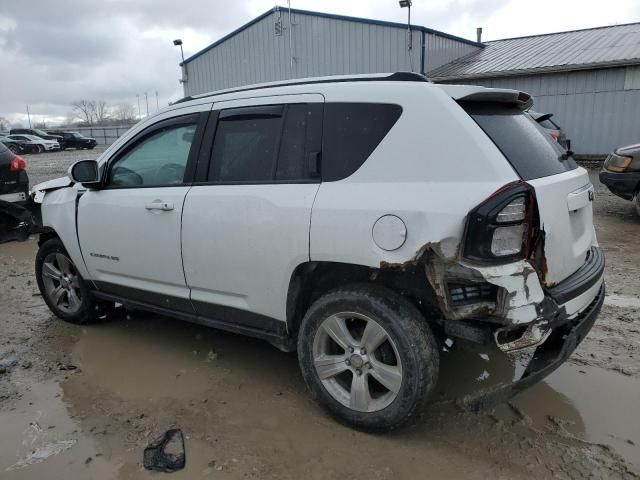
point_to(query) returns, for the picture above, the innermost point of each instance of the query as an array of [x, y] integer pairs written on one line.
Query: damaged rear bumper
[[548, 356]]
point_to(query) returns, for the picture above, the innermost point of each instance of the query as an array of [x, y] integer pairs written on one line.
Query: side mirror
[[85, 172]]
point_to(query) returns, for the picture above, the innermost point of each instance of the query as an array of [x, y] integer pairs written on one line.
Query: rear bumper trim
[[562, 342], [623, 184], [582, 280]]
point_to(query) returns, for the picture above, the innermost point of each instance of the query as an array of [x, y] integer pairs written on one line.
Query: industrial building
[[289, 43], [589, 79]]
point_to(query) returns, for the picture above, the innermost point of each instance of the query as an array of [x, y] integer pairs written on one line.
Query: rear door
[[246, 223], [130, 229], [563, 190]]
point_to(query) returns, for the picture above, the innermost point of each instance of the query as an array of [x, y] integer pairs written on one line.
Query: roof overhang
[[533, 71]]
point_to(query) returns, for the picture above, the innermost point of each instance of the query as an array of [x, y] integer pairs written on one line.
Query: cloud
[[55, 52]]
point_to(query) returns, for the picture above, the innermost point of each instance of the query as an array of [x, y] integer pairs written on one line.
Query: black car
[[13, 145], [37, 133], [621, 173], [76, 140], [14, 182]]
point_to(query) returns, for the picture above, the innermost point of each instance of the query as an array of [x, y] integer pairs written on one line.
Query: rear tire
[[369, 357], [63, 289]]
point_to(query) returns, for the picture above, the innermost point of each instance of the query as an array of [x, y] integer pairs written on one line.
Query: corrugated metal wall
[[599, 109], [441, 50], [321, 46]]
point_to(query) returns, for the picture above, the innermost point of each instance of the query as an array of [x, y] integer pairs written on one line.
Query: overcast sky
[[55, 52]]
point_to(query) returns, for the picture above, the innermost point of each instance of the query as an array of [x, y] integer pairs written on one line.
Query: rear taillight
[[617, 163], [502, 227], [17, 164]]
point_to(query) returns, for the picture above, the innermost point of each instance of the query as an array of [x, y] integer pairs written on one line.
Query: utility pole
[[146, 99], [139, 114], [28, 116], [157, 104]]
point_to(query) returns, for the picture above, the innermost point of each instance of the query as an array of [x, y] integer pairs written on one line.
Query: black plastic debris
[[166, 454], [18, 221]]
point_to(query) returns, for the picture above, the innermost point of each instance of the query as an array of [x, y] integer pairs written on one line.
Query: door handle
[[159, 205]]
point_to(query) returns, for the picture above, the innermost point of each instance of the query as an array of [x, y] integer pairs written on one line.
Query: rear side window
[[527, 147], [351, 132], [244, 148]]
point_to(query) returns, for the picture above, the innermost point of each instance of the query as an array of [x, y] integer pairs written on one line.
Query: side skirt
[[275, 335]]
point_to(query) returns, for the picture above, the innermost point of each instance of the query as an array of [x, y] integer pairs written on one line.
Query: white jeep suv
[[358, 220]]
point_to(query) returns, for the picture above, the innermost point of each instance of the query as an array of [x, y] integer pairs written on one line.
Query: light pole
[[407, 4], [178, 43]]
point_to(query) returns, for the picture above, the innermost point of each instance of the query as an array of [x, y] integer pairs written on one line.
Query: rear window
[[527, 147]]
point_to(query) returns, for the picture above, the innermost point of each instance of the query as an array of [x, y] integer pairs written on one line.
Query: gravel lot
[[98, 394]]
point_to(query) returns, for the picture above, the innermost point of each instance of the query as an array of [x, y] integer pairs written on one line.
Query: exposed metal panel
[[579, 49], [322, 45], [598, 109]]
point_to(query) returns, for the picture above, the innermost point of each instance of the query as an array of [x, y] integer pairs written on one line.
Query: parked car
[[362, 221], [621, 173], [12, 145], [554, 130], [35, 143], [76, 140], [38, 133], [14, 182]]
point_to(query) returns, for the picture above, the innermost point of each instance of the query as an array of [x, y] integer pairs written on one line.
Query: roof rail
[[367, 77]]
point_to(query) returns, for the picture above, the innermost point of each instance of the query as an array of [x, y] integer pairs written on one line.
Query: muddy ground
[[84, 401]]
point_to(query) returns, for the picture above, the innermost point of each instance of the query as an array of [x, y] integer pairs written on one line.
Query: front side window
[[159, 159]]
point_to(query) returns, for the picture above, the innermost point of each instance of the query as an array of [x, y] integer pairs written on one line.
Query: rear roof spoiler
[[470, 93]]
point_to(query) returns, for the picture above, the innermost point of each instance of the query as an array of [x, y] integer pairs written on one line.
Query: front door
[[130, 228]]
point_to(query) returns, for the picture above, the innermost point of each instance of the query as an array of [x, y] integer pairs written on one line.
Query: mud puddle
[[38, 434], [244, 411], [590, 403]]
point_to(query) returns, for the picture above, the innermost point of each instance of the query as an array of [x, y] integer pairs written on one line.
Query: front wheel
[[369, 357], [63, 289], [40, 149]]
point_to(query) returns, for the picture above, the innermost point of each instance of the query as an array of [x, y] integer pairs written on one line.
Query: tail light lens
[[17, 164], [502, 227], [617, 163]]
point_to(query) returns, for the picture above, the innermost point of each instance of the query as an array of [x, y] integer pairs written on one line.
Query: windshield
[[40, 132], [527, 147]]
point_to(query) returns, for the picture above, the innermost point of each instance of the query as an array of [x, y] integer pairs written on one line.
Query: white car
[[40, 144], [363, 221]]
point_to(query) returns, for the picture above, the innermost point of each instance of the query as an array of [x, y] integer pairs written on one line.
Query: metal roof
[[600, 47], [346, 18]]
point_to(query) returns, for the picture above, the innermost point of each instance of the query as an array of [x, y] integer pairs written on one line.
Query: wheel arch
[[310, 280]]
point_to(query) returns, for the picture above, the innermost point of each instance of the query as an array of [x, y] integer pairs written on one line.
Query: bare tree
[[124, 113], [100, 111], [4, 124], [84, 109]]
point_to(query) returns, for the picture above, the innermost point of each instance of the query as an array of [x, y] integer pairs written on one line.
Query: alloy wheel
[[357, 361], [62, 283]]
